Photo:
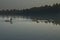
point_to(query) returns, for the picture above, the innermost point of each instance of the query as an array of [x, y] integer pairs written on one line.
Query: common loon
[[8, 20]]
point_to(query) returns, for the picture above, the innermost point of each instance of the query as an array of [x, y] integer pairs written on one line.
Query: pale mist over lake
[[29, 19]]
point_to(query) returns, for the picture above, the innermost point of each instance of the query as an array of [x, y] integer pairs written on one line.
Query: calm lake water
[[24, 28]]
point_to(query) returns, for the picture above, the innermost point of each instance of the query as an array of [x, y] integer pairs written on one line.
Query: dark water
[[29, 28]]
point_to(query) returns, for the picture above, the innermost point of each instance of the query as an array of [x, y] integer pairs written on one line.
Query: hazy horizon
[[23, 4]]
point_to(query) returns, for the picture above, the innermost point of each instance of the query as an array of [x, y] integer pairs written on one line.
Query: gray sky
[[20, 4]]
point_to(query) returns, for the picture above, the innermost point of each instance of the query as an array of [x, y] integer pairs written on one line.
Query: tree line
[[42, 10]]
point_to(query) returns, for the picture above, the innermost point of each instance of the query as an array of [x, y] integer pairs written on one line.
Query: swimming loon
[[8, 20]]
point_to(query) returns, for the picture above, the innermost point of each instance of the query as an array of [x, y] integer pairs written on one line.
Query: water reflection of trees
[[37, 19], [53, 20]]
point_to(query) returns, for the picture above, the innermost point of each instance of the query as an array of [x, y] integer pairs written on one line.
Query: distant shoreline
[[35, 11]]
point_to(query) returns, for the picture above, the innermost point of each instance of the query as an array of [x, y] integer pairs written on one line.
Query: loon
[[8, 20]]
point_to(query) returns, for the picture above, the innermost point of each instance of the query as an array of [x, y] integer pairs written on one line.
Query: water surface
[[29, 28]]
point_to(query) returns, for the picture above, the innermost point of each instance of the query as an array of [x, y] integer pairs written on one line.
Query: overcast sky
[[20, 4]]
